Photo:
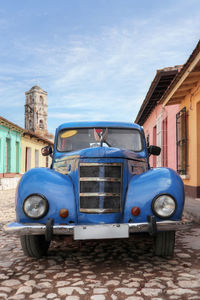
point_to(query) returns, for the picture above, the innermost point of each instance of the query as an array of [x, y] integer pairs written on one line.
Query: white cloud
[[104, 76], [87, 116], [58, 115]]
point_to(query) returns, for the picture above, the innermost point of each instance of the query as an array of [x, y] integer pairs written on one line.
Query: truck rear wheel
[[34, 245], [164, 243]]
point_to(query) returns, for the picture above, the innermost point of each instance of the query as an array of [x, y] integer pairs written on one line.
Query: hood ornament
[[99, 135]]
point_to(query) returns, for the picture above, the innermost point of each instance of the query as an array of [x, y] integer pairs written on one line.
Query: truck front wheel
[[34, 245], [164, 243]]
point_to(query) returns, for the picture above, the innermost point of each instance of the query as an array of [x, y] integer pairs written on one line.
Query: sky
[[95, 58]]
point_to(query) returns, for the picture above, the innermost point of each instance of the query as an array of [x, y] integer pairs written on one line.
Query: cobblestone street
[[120, 269]]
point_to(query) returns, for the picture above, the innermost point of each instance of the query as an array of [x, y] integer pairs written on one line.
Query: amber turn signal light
[[135, 211], [63, 213]]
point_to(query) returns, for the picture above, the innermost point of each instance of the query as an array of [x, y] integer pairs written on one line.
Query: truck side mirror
[[47, 150], [154, 150]]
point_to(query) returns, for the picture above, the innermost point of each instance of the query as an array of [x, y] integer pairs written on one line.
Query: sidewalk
[[192, 210], [7, 206]]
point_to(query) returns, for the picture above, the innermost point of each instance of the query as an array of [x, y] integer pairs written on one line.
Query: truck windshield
[[80, 138]]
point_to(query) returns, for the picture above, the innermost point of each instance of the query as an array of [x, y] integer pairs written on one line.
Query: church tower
[[36, 110]]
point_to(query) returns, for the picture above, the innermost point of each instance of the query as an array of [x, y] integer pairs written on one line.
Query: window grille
[[154, 143], [164, 144], [181, 142], [159, 139], [147, 141]]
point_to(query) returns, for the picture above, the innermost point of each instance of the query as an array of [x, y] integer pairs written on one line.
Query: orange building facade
[[185, 92]]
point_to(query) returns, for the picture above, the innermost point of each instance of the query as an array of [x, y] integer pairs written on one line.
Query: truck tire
[[34, 245], [164, 243]]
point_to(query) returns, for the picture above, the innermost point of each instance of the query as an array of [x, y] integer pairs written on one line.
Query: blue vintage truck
[[99, 186]]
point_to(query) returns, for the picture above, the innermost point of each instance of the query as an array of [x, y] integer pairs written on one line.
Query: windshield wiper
[[104, 141]]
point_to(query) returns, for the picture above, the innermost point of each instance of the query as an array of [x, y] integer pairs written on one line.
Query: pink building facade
[[159, 122], [160, 130]]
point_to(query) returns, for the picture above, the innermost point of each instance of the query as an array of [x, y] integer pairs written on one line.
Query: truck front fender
[[145, 187], [55, 187]]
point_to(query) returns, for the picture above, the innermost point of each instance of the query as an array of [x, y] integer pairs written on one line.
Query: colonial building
[[174, 123], [31, 145], [20, 149], [185, 91], [10, 153], [159, 122]]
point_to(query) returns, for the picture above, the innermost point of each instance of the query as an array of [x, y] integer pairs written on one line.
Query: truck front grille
[[100, 187]]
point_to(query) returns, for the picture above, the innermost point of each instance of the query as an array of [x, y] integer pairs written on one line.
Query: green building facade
[[10, 148]]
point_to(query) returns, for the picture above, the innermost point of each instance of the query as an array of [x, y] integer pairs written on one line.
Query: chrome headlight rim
[[46, 206], [157, 214]]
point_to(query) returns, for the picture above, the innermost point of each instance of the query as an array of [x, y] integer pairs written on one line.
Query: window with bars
[[147, 141], [164, 143], [181, 141], [154, 143], [159, 139]]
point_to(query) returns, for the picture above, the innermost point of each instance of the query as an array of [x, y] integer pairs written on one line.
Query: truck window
[[81, 138]]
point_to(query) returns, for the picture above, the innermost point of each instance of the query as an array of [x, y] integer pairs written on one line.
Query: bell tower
[[36, 110]]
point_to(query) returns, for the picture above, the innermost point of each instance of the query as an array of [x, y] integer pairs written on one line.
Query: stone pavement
[[98, 270]]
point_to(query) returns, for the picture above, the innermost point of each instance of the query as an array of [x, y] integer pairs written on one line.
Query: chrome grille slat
[[99, 164], [100, 179], [100, 187], [99, 210], [100, 194]]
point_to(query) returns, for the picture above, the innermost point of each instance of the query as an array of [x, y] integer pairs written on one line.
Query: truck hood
[[103, 152]]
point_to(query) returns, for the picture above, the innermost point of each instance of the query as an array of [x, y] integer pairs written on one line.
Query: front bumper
[[83, 232]]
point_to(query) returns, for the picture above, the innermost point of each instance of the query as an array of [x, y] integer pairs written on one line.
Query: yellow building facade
[[185, 91], [31, 157]]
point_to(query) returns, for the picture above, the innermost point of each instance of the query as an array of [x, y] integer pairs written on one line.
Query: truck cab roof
[[99, 124]]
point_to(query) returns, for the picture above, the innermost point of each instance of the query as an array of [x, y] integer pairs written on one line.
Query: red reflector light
[[135, 211], [63, 213]]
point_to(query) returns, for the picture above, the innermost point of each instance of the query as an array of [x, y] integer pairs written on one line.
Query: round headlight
[[164, 206], [35, 206]]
